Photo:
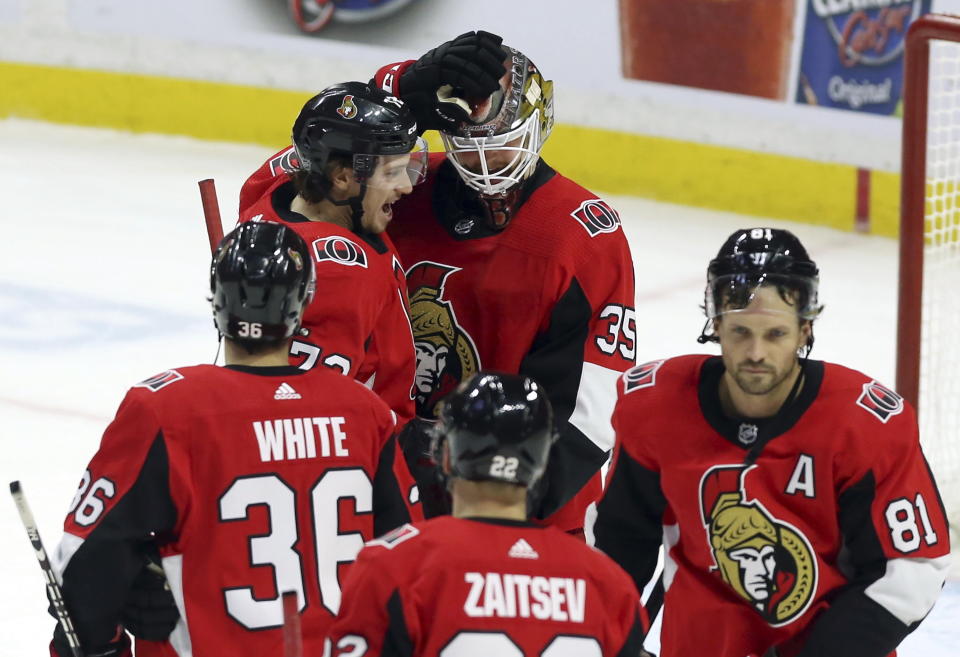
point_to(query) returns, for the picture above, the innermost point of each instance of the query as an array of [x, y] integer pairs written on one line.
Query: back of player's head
[[518, 117], [261, 281], [752, 258], [355, 122], [497, 427]]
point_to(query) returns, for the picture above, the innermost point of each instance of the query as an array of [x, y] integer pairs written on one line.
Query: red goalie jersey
[[551, 297], [253, 481], [831, 543], [453, 586], [358, 322]]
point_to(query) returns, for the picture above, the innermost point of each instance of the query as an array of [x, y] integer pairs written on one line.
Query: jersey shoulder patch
[[596, 217], [395, 537], [339, 250], [641, 376], [880, 401], [158, 381]]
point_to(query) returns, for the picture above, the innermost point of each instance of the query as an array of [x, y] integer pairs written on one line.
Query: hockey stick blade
[[53, 587], [292, 632], [211, 212]]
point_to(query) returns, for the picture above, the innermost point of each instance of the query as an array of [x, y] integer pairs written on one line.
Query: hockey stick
[[211, 212], [53, 587], [292, 633]]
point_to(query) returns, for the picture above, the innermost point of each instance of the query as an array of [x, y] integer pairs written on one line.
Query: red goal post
[[928, 314]]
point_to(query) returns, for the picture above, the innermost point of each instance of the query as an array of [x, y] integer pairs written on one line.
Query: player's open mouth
[[387, 209]]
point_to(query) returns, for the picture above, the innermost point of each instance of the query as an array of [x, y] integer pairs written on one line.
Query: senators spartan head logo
[[446, 354], [597, 217], [766, 561], [347, 108], [880, 400], [641, 376], [339, 250]]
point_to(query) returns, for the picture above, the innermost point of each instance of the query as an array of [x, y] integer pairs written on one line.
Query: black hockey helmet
[[355, 119], [756, 257], [261, 281], [498, 427]]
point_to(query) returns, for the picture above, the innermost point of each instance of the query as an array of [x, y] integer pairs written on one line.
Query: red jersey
[[819, 531], [452, 586], [358, 322], [551, 297], [253, 481]]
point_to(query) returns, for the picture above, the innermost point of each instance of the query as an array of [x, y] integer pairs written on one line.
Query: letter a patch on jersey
[[161, 380], [880, 400], [641, 376]]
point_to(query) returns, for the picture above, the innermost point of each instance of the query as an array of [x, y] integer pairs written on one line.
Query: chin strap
[[356, 208]]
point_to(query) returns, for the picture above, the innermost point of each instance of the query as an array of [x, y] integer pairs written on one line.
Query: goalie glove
[[435, 86]]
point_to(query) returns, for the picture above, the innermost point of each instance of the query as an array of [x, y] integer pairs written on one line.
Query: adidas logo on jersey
[[286, 391], [522, 550]]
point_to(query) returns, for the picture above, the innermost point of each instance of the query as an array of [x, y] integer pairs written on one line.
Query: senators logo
[[597, 217], [641, 376], [161, 380], [347, 109], [446, 354], [880, 400], [339, 250], [766, 561], [285, 162]]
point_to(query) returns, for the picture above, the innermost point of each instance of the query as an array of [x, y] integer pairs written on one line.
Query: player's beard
[[761, 384]]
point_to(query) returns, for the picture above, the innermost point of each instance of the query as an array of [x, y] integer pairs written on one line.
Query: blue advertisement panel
[[852, 53]]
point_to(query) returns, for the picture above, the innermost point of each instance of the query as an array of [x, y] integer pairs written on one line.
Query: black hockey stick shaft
[[53, 587]]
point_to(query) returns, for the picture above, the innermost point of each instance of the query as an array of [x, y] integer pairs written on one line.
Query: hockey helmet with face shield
[[363, 128], [497, 427], [261, 281], [499, 144], [752, 258]]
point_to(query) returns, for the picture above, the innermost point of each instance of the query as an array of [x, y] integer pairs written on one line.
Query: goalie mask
[[497, 427], [261, 281], [499, 145], [759, 257]]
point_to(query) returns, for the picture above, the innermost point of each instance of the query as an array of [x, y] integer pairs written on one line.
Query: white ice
[[103, 275]]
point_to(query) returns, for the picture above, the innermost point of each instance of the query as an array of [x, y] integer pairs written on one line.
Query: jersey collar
[[746, 432]]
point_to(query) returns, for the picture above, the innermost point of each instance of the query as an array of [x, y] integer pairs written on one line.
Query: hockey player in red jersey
[[355, 152], [798, 515], [486, 581], [253, 479], [510, 265]]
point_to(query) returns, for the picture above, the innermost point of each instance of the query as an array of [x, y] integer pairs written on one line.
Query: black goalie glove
[[150, 612], [469, 66]]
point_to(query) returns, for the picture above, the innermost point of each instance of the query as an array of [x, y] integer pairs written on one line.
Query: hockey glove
[[469, 66], [118, 647], [150, 612]]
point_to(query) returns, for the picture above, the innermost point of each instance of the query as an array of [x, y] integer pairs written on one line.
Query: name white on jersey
[[525, 596], [297, 438]]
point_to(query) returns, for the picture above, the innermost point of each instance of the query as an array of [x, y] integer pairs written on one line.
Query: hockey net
[[928, 332]]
